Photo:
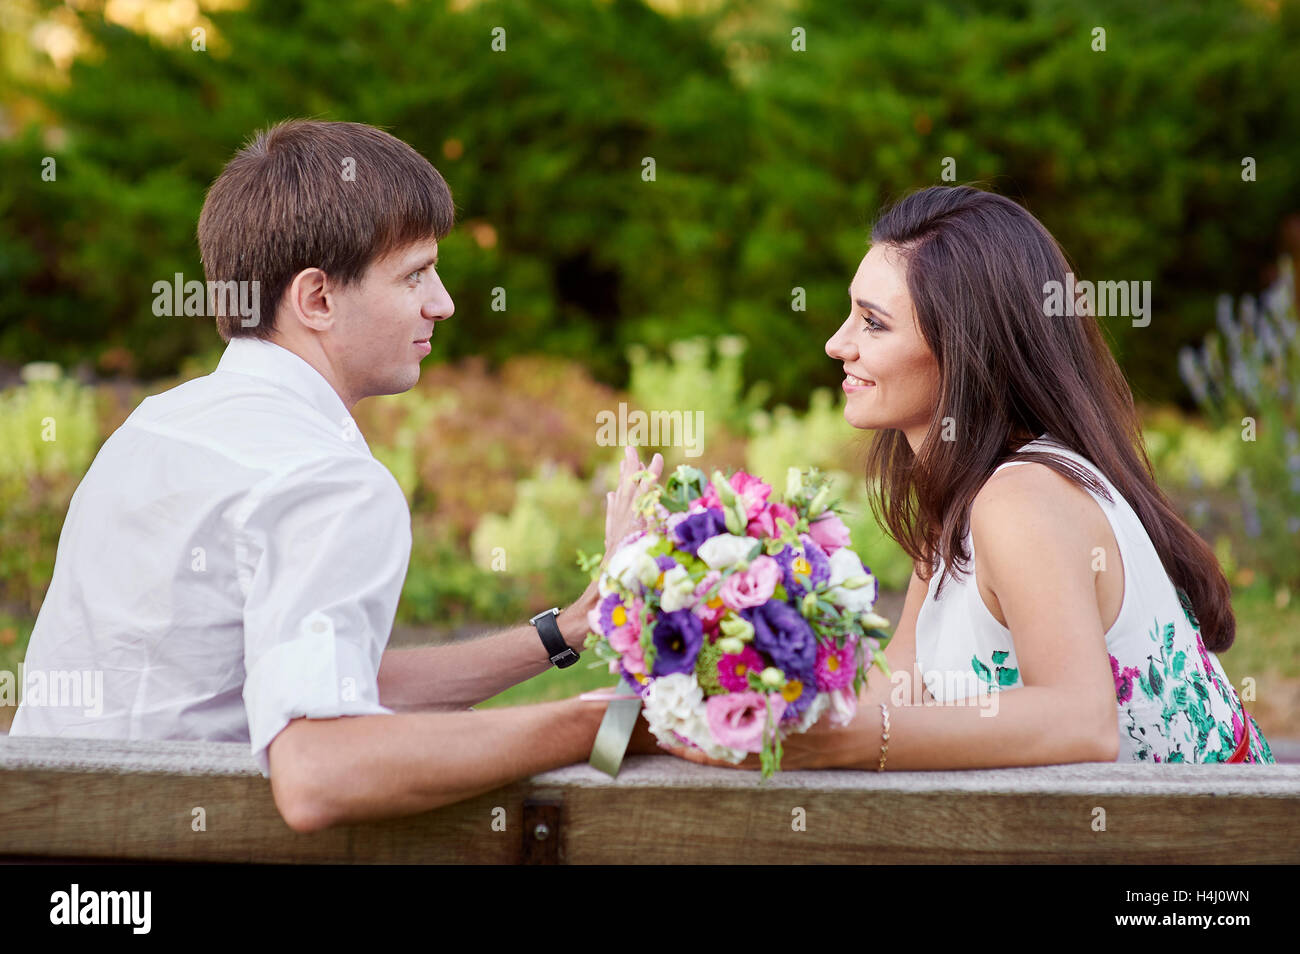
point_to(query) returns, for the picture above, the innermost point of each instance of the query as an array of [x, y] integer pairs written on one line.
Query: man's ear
[[311, 300]]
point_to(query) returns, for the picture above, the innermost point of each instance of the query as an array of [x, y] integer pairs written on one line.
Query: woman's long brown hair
[[977, 266]]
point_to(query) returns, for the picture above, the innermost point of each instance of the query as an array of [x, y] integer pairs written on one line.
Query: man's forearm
[[361, 768], [465, 673], [460, 674]]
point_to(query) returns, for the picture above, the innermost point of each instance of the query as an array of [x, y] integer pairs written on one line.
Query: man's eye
[[417, 274]]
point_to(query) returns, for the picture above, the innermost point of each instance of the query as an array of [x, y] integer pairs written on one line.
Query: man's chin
[[397, 383]]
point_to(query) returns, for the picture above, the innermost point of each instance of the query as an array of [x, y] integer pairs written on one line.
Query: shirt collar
[[264, 359]]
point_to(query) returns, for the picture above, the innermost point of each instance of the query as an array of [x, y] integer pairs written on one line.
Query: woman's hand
[[823, 746], [621, 519]]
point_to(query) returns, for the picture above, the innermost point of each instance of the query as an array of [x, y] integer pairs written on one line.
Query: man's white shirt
[[232, 560]]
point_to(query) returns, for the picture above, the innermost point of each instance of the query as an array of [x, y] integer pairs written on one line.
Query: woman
[[1059, 610]]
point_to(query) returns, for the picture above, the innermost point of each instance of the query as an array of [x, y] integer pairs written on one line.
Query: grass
[[14, 635], [1268, 634], [586, 674]]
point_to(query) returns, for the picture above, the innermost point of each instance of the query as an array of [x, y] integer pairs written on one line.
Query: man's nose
[[439, 306]]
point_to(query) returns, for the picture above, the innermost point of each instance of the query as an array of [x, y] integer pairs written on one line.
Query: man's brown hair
[[314, 194]]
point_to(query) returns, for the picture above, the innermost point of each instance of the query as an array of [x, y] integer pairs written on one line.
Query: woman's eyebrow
[[869, 306]]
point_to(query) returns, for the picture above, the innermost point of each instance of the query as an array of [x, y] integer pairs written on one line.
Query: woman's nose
[[838, 346]]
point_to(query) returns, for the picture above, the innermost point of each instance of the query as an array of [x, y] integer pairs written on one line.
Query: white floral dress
[[1175, 701]]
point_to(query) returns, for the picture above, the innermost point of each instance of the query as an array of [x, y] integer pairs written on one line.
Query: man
[[233, 559]]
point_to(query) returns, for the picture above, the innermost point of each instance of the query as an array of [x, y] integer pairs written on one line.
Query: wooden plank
[[707, 826], [88, 799], [151, 817]]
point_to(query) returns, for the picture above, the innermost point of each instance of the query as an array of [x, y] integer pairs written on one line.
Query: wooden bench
[[79, 799]]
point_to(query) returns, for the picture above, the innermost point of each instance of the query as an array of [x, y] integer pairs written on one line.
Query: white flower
[[623, 563], [814, 711], [846, 568], [675, 704], [646, 570], [874, 621], [725, 550], [672, 700], [679, 590], [844, 706]]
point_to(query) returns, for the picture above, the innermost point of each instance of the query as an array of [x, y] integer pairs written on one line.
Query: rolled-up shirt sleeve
[[322, 553]]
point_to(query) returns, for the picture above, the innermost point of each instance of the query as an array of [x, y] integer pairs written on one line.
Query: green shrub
[[1246, 377], [48, 437]]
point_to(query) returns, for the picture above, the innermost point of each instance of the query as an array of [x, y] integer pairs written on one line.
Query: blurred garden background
[[1163, 148]]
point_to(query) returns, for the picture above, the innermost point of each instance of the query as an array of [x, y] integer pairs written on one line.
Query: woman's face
[[881, 344]]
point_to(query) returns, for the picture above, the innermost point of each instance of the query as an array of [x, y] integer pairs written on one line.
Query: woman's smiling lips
[[853, 383]]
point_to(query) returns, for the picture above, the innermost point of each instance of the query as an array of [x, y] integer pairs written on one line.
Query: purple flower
[[699, 527], [665, 562], [809, 561], [677, 637], [796, 707], [785, 636]]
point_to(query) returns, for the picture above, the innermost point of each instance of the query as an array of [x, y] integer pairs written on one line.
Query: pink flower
[[754, 586], [829, 532], [749, 488], [737, 720], [766, 523], [835, 668], [1123, 680], [709, 500], [626, 639], [752, 491], [711, 610], [628, 645], [733, 670]]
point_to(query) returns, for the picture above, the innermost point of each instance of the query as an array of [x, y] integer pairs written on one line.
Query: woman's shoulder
[[1027, 492]]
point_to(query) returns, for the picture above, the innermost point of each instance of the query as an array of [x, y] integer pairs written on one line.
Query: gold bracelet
[[884, 736]]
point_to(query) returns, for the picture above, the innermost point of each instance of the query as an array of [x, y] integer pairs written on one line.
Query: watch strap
[[561, 653]]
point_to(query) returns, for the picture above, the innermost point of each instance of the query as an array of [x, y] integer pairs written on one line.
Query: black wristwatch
[[561, 653]]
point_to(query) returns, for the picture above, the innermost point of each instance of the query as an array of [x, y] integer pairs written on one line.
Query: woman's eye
[[872, 324]]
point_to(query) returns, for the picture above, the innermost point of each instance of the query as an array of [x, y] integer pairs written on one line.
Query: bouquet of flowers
[[739, 619]]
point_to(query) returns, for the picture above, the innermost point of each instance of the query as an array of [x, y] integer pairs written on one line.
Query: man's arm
[[359, 768], [465, 673]]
